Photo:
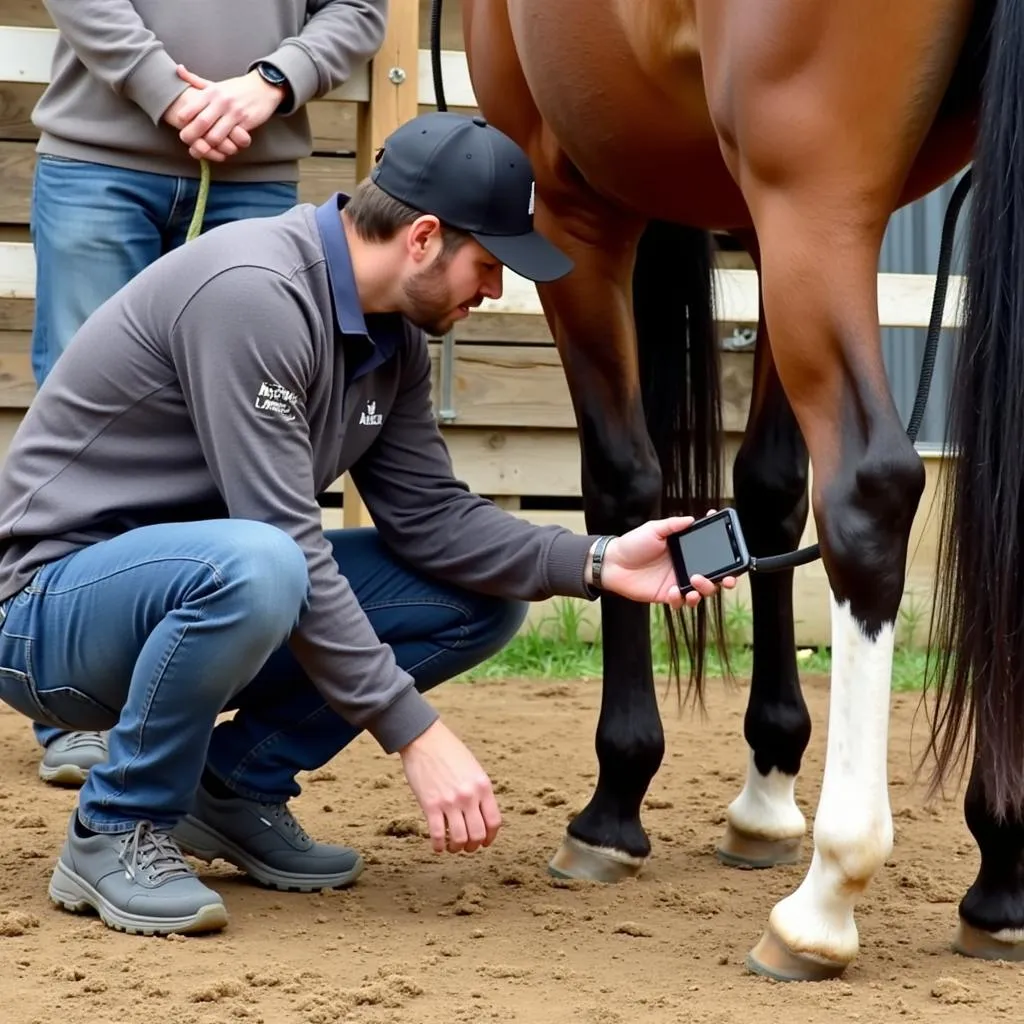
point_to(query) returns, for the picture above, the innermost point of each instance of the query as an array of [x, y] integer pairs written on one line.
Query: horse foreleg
[[591, 318], [764, 825], [868, 481]]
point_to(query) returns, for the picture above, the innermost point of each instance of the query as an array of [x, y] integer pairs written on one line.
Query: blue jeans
[[152, 634], [94, 227]]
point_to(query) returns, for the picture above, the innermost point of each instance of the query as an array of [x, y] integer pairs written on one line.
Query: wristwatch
[[273, 75], [597, 560]]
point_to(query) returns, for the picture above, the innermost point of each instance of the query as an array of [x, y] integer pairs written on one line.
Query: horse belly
[[633, 121]]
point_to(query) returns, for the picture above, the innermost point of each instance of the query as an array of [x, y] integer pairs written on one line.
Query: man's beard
[[431, 304]]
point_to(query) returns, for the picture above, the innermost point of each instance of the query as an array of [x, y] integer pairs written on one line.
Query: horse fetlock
[[994, 904], [766, 807], [583, 861], [611, 824], [817, 919], [852, 845]]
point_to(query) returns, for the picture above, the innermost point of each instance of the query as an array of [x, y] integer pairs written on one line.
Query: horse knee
[[621, 495], [865, 516]]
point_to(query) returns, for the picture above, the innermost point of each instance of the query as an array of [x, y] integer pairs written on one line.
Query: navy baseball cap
[[472, 177]]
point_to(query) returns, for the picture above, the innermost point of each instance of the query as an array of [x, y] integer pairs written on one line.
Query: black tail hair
[[978, 621], [678, 355]]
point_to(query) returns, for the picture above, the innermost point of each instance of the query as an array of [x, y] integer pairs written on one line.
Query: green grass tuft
[[562, 646]]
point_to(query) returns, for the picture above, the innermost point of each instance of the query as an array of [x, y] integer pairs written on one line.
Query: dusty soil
[[491, 937]]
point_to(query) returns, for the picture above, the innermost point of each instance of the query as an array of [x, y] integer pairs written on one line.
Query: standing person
[[140, 92], [176, 565]]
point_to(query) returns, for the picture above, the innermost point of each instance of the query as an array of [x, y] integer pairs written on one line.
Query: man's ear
[[422, 237]]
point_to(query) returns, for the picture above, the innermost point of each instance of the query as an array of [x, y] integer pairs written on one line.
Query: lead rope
[[200, 211]]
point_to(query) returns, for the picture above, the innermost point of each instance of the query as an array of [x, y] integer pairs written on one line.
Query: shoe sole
[[63, 774], [73, 893], [198, 839]]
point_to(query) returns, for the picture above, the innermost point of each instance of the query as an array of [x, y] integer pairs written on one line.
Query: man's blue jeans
[[152, 634], [94, 227]]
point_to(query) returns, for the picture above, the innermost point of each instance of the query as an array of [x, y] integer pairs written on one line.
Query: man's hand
[[216, 119], [184, 109], [453, 790], [638, 565]]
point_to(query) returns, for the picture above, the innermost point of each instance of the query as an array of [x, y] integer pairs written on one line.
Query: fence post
[[394, 99]]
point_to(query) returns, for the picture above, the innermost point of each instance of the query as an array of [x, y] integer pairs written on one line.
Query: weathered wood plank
[[17, 165], [332, 124], [320, 176], [17, 385], [25, 14], [520, 386], [451, 25], [15, 314], [17, 100]]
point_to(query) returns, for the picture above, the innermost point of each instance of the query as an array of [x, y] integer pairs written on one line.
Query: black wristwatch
[[273, 75], [597, 560]]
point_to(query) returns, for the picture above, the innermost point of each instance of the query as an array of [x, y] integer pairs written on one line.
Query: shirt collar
[[382, 331]]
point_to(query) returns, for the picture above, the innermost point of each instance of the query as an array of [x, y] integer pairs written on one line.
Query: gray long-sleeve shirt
[[114, 75], [214, 384]]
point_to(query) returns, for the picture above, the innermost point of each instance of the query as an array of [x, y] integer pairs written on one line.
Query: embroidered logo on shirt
[[371, 418], [274, 398]]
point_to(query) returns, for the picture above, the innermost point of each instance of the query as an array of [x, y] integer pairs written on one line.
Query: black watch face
[[272, 75]]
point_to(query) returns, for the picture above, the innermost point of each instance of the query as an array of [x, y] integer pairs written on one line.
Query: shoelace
[[280, 813], [74, 740], [155, 854]]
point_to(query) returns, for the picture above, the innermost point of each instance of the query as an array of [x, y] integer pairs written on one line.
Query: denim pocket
[[17, 692], [62, 707]]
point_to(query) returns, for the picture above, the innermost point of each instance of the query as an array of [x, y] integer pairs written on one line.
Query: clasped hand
[[454, 792], [215, 119]]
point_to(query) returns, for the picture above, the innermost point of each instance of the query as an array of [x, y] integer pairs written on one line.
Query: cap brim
[[531, 255]]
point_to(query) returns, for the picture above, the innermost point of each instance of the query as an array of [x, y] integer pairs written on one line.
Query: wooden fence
[[509, 423]]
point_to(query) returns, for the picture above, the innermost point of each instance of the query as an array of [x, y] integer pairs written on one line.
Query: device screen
[[707, 550]]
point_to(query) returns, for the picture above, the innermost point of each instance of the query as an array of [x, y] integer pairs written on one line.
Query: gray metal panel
[[911, 246]]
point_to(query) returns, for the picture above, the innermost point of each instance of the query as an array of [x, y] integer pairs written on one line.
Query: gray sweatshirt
[[114, 75], [213, 385]]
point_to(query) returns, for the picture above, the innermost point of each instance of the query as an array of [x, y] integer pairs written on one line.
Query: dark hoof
[[576, 859], [982, 945], [772, 958], [738, 850]]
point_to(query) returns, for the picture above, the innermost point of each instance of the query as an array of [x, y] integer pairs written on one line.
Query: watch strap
[[597, 559]]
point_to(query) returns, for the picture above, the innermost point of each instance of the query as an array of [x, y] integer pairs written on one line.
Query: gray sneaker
[[266, 842], [137, 882], [68, 758]]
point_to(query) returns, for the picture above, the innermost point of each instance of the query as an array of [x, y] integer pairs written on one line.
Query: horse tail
[[979, 606], [678, 358]]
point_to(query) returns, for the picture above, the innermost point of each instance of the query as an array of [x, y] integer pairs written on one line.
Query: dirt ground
[[491, 937]]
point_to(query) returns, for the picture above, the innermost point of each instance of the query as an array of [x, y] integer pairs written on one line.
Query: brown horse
[[798, 126]]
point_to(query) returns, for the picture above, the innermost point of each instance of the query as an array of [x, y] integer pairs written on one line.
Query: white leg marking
[[853, 833], [765, 807]]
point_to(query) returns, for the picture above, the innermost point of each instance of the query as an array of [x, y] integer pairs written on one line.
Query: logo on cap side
[[533, 188]]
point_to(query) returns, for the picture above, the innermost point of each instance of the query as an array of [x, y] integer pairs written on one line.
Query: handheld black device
[[712, 547]]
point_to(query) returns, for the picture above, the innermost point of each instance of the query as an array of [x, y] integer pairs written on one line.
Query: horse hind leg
[[764, 825], [992, 910]]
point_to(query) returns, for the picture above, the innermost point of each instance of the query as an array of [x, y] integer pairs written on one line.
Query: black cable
[[435, 53]]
